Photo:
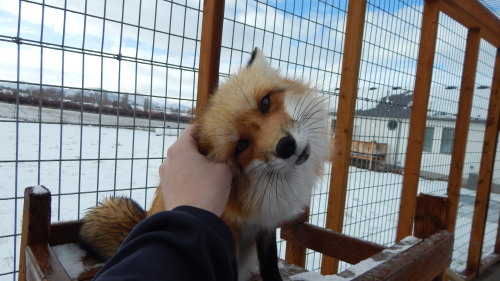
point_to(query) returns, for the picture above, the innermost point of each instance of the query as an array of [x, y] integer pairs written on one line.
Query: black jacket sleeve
[[186, 243]]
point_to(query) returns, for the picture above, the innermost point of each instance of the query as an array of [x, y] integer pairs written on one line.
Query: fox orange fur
[[272, 131]]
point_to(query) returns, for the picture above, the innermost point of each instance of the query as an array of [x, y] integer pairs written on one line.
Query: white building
[[388, 122]]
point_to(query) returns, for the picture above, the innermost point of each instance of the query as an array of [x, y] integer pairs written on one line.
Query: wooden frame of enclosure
[[482, 24]]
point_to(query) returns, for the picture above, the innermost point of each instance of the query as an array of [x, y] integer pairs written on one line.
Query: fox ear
[[257, 59]]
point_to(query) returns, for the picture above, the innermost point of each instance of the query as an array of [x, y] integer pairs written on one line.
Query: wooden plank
[[430, 215], [474, 15], [287, 270], [36, 223], [345, 119], [485, 173], [330, 243], [422, 262], [462, 125], [418, 118], [487, 262], [64, 232], [296, 254], [210, 46], [42, 264]]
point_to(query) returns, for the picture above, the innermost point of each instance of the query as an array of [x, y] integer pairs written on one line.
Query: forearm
[[186, 243]]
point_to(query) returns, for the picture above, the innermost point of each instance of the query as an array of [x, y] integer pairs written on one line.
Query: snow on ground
[[52, 115], [82, 164]]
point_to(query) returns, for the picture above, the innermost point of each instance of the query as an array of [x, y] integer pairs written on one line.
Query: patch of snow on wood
[[361, 267], [39, 190], [314, 276], [70, 255]]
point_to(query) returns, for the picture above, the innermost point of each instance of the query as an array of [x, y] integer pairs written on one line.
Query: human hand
[[189, 178]]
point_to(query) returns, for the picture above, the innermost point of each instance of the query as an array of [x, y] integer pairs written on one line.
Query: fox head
[[272, 131]]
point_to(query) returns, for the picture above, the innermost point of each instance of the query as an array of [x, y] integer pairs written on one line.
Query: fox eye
[[241, 145], [265, 104]]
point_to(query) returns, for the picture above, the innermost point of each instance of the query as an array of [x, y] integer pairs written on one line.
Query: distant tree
[[94, 97], [105, 99], [34, 92], [51, 93], [77, 97], [124, 101], [146, 104]]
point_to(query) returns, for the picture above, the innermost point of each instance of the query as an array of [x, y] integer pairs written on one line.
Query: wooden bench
[[45, 248]]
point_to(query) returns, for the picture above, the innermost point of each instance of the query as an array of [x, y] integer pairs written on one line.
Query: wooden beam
[[345, 119], [418, 118], [430, 215], [36, 223], [473, 15], [294, 253], [485, 173], [42, 264], [462, 125], [210, 46], [331, 243], [422, 262], [487, 262], [65, 232]]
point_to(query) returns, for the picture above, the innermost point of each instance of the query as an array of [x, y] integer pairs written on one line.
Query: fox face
[[272, 131]]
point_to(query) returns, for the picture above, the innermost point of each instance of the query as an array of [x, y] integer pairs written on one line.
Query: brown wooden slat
[[296, 254], [42, 264], [345, 119], [210, 46], [64, 232], [430, 215], [485, 174], [418, 118], [422, 262], [287, 270], [36, 224], [462, 125], [472, 14], [488, 262], [331, 243]]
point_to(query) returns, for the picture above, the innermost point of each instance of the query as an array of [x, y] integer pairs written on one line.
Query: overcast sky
[[303, 38]]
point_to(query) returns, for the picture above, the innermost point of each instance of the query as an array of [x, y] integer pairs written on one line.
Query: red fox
[[273, 133]]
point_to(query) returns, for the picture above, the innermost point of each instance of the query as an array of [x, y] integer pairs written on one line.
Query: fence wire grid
[[92, 93]]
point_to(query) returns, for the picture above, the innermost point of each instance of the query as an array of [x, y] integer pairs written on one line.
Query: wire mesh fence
[[93, 93]]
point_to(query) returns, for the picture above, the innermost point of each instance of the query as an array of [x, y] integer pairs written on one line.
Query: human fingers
[[187, 136]]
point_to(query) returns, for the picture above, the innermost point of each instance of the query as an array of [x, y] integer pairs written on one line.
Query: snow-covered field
[[81, 164]]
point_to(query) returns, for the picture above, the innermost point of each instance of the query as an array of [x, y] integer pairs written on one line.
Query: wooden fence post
[[430, 215], [296, 254], [345, 119], [462, 125], [485, 174], [211, 42], [36, 222], [418, 118]]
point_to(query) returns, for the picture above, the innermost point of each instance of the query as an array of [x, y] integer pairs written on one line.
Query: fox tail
[[106, 226]]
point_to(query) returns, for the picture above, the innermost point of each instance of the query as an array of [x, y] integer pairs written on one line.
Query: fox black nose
[[286, 147]]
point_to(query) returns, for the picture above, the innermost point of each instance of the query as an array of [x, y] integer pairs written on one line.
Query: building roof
[[396, 102]]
